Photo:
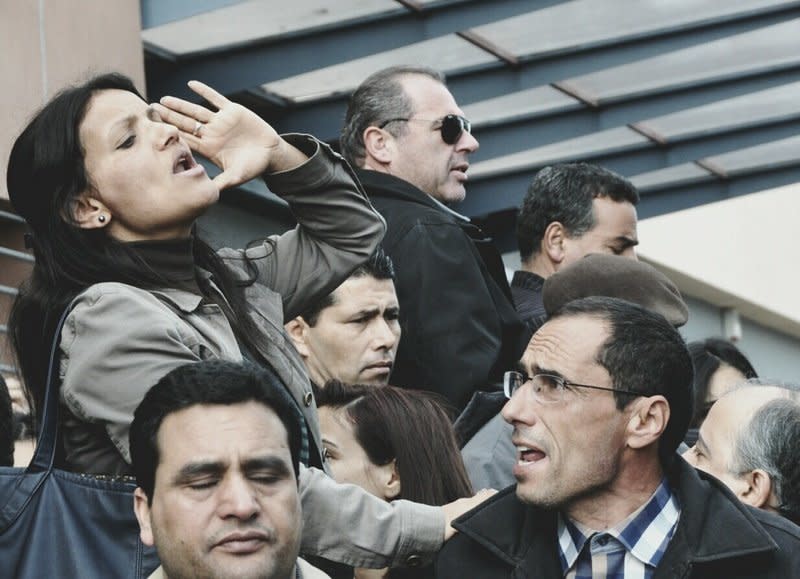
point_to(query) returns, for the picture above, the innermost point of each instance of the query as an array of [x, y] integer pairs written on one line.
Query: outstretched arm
[[345, 523]]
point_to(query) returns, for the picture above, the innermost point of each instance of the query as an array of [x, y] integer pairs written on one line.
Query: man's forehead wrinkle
[[567, 344], [545, 348]]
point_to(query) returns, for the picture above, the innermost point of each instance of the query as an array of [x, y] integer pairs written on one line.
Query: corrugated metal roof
[[696, 100]]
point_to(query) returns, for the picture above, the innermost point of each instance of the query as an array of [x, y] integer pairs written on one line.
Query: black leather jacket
[[717, 537], [460, 329]]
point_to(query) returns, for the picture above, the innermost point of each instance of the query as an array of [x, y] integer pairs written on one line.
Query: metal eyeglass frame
[[561, 385]]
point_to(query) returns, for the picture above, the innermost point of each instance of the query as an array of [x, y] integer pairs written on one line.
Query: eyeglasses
[[547, 388], [451, 126]]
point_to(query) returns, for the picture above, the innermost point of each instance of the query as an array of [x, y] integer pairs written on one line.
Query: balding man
[[749, 441]]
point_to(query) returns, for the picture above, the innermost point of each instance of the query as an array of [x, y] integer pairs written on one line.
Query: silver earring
[[102, 218]]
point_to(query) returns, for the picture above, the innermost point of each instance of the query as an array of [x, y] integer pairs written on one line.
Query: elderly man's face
[[421, 157], [225, 500], [715, 447], [569, 449]]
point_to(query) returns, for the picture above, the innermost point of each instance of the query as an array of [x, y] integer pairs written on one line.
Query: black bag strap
[[44, 455]]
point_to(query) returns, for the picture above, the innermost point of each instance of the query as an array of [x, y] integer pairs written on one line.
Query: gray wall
[[773, 355]]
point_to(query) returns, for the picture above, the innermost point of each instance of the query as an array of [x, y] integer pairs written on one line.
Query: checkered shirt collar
[[645, 533]]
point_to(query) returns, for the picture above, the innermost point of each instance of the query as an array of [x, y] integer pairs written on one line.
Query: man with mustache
[[215, 447], [411, 144]]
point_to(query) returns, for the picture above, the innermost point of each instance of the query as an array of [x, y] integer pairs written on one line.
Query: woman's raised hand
[[234, 138]]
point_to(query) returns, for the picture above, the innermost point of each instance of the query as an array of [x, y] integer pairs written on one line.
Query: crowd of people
[[366, 395]]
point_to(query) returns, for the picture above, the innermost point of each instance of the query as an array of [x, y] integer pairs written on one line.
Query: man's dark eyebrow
[[274, 464], [370, 313], [551, 373], [198, 469], [394, 310], [627, 241]]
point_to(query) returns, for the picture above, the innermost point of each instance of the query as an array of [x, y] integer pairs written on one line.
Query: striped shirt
[[630, 550]]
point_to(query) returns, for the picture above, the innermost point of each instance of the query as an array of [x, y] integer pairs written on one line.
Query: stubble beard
[[589, 484]]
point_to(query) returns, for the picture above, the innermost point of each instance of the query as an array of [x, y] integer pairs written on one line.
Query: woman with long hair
[[394, 443], [110, 190]]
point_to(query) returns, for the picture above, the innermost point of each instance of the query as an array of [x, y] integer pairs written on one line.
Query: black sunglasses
[[451, 127]]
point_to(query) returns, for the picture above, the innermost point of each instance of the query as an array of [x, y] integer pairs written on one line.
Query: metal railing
[[11, 217], [8, 290], [14, 254]]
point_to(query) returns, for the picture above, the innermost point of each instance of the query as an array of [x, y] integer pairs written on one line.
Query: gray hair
[[379, 98], [770, 442], [792, 388]]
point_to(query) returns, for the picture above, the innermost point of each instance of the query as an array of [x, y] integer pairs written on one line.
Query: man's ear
[[89, 212], [758, 490], [142, 509], [553, 241], [379, 146], [648, 421], [297, 329], [391, 482]]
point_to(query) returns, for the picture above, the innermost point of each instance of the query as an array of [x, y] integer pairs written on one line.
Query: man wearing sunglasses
[[411, 144], [599, 404]]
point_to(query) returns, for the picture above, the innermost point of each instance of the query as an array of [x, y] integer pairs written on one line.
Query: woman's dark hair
[[6, 426], [46, 174], [707, 356], [409, 426]]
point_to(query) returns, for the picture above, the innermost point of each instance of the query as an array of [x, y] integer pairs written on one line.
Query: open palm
[[234, 138]]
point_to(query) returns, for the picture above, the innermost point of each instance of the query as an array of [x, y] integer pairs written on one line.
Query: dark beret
[[616, 277]]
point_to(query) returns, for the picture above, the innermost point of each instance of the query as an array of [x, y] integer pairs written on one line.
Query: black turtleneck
[[171, 259]]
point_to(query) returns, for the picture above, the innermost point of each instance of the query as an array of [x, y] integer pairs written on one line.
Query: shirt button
[[413, 561], [308, 399], [602, 540]]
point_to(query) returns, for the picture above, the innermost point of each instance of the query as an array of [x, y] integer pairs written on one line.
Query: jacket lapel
[[523, 537], [714, 525]]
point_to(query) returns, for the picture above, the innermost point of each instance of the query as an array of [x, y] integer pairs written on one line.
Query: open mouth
[[183, 163], [528, 455]]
